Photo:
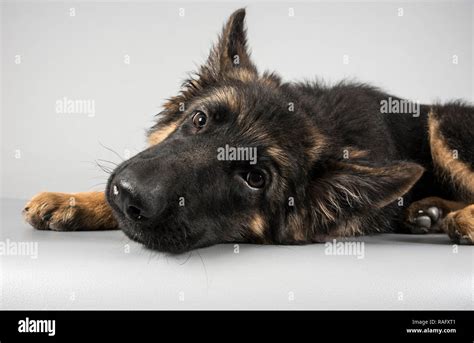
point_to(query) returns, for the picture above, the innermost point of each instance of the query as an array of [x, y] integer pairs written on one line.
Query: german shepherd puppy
[[240, 156]]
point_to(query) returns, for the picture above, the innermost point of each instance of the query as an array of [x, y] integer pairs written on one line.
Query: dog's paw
[[52, 211], [459, 225], [423, 216]]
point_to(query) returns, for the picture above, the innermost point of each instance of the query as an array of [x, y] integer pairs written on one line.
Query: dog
[[240, 156]]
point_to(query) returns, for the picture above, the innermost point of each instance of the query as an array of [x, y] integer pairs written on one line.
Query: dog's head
[[232, 159]]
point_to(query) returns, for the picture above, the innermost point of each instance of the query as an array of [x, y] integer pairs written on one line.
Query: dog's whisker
[[187, 259], [107, 161], [105, 169], [205, 269], [101, 166], [113, 151]]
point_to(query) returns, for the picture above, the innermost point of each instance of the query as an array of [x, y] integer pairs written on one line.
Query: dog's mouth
[[161, 236], [164, 239]]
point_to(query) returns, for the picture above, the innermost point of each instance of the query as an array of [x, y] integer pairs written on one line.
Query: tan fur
[[241, 74], [278, 155], [162, 133], [350, 228], [227, 96], [257, 225], [459, 172], [319, 143], [172, 105], [329, 214], [270, 80], [354, 153], [459, 225], [82, 211], [297, 227]]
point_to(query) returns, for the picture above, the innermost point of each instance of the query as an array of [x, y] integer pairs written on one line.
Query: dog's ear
[[230, 56], [349, 188], [228, 59]]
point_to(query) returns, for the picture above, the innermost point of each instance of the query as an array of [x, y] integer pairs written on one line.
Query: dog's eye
[[199, 119], [255, 179]]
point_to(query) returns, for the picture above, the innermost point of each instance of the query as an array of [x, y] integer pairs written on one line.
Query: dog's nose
[[136, 203]]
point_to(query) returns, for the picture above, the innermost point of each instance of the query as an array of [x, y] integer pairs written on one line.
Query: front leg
[[69, 212]]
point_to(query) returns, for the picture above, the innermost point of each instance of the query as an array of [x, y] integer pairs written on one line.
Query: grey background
[[82, 57]]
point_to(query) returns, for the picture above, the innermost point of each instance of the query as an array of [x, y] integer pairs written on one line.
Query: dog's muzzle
[[136, 200]]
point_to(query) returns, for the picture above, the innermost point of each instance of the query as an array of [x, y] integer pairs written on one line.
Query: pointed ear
[[230, 54], [353, 188]]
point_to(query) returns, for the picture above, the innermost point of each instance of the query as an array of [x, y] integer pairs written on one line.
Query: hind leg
[[436, 215], [451, 138], [425, 216]]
